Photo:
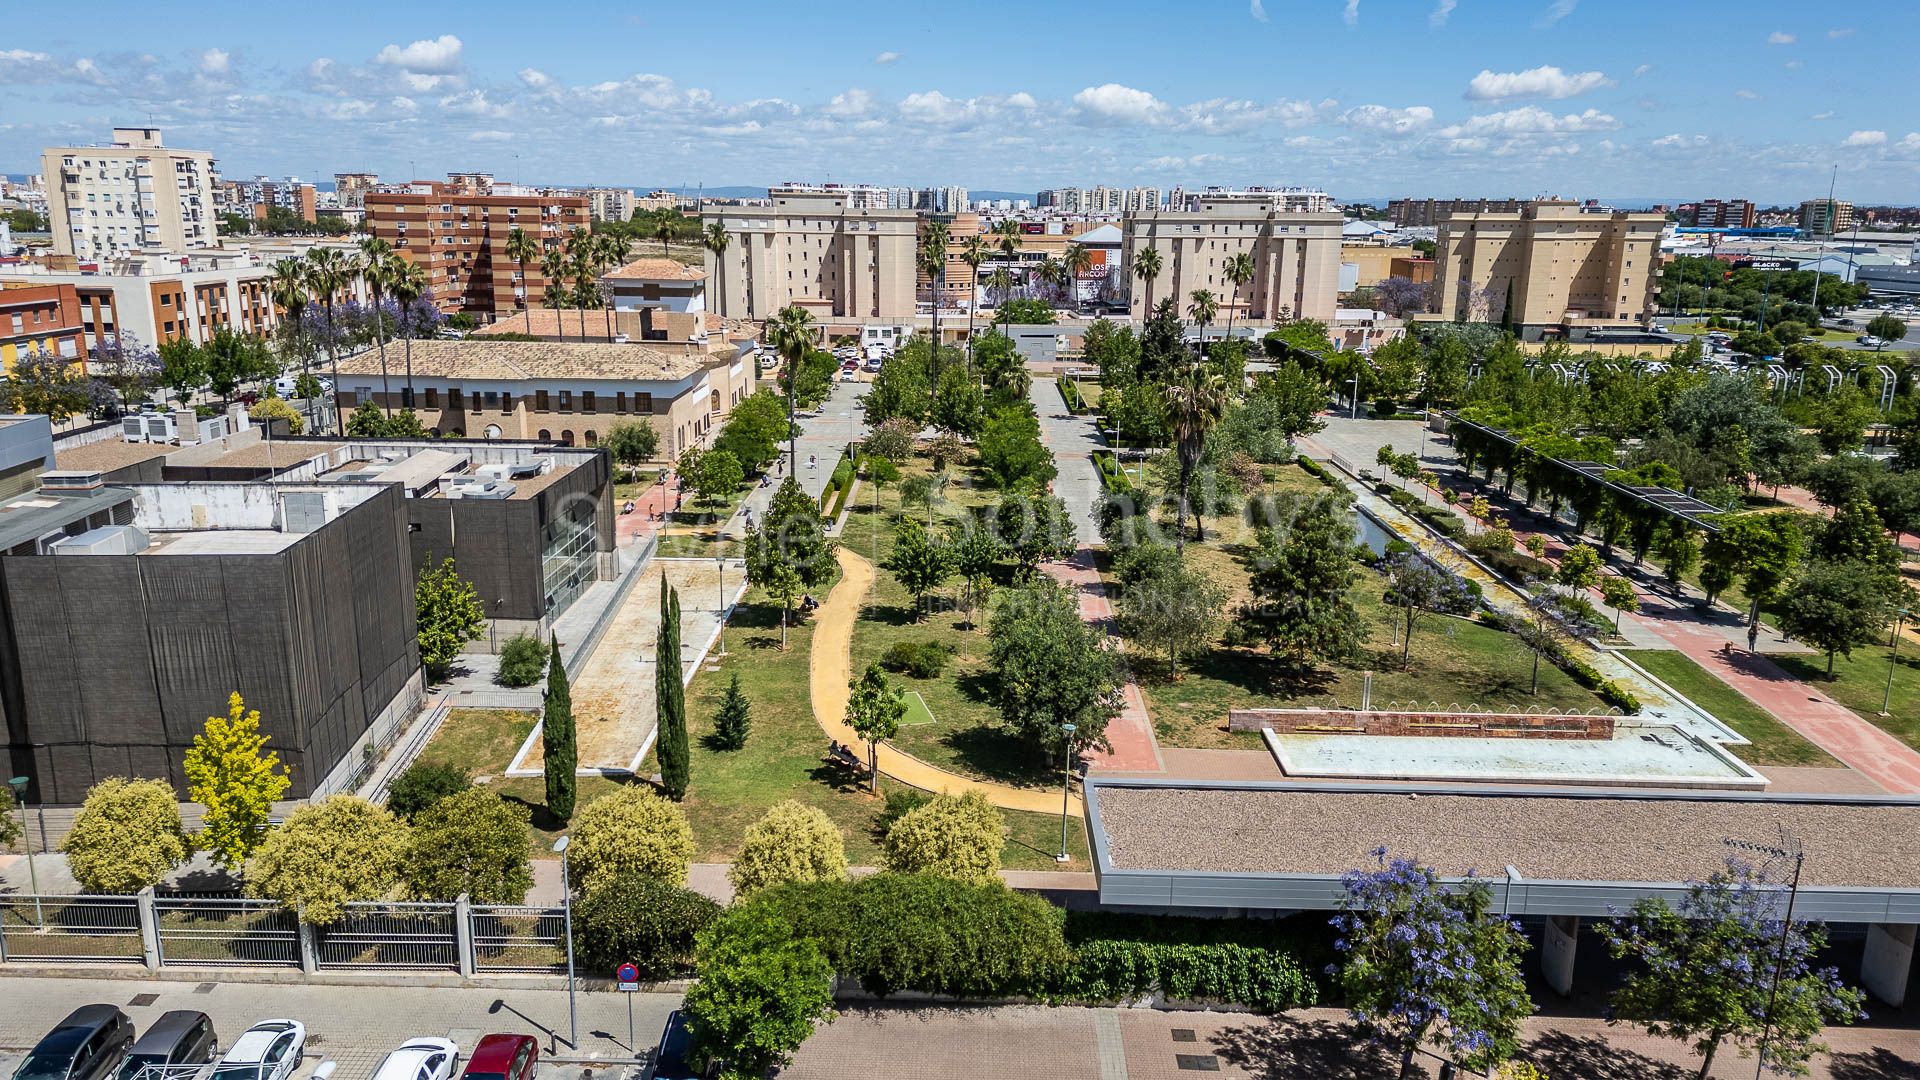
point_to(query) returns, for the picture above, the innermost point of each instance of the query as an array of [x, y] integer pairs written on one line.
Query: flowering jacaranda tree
[[1424, 962], [1720, 968]]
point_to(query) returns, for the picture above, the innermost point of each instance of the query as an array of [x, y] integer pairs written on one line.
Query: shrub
[[899, 800], [1261, 963], [523, 660], [1111, 473], [471, 842], [642, 921], [340, 849], [273, 408], [792, 843], [761, 991], [1319, 471], [957, 837], [921, 659], [126, 837], [631, 831], [1070, 394], [423, 785]]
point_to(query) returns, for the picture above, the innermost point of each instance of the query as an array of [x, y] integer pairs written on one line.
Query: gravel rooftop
[[1542, 836]]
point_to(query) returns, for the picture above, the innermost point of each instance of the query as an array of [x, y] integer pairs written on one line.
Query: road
[[823, 435]]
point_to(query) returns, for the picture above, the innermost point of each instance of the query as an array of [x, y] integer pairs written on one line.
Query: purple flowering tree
[[1424, 963], [1420, 588], [1721, 969], [129, 368]]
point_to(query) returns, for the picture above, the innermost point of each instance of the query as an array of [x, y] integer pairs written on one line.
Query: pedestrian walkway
[[1130, 734], [829, 668]]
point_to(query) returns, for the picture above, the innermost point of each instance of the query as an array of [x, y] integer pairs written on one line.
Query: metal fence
[[417, 935], [513, 938], [71, 929], [208, 932]]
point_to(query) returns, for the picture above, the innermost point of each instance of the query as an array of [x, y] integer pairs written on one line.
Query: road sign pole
[[630, 1045]]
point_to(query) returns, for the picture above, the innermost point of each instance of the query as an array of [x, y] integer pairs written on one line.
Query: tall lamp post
[[1893, 660], [720, 562], [1066, 787], [566, 908], [1799, 857], [19, 786]]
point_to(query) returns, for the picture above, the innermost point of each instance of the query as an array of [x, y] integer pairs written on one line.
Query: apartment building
[[1283, 200], [135, 194], [957, 282], [350, 188], [1141, 200], [1296, 258], [458, 231], [609, 204], [1426, 213], [1825, 217], [1567, 269], [813, 249], [40, 320], [153, 299], [1724, 214], [253, 198], [655, 200]]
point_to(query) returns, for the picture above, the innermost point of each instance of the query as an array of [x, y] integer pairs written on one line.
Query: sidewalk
[[1131, 732]]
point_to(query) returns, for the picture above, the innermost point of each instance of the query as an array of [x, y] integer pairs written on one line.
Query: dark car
[[181, 1037], [503, 1057], [673, 1059], [86, 1046]]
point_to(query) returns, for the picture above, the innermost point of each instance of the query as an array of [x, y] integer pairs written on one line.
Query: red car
[[503, 1057]]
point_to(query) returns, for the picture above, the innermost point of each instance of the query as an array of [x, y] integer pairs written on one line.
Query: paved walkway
[[829, 669], [1130, 734]]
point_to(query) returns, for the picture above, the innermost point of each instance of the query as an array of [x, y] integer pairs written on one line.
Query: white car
[[285, 385], [269, 1050], [422, 1058]]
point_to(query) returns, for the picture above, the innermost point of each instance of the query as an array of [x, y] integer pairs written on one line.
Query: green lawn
[[1860, 683], [1773, 743]]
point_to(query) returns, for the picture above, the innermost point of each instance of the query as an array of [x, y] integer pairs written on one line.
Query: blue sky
[[1369, 98]]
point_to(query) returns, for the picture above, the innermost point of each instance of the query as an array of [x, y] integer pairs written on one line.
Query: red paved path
[[641, 522], [1131, 733]]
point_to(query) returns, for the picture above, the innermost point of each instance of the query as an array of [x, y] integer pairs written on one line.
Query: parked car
[[503, 1057], [286, 385], [87, 1045], [424, 1058], [873, 363], [673, 1058], [181, 1037], [269, 1050]]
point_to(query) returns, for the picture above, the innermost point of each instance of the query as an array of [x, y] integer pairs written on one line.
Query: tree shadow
[[998, 754], [1878, 1063], [1289, 1048], [1260, 674], [892, 614], [538, 815], [839, 776], [1591, 1057], [980, 684]]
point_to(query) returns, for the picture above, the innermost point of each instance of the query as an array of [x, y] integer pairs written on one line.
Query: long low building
[[1551, 853]]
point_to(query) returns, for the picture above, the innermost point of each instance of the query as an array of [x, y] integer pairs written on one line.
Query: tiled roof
[[659, 268], [477, 358]]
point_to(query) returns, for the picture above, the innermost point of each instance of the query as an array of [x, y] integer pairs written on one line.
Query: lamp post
[[1893, 660], [566, 908], [1799, 858], [19, 786], [1066, 787], [720, 563]]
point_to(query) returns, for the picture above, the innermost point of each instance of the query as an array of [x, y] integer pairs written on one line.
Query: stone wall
[[1477, 725]]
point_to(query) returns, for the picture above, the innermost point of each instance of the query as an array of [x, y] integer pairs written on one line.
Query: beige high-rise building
[[1825, 217], [136, 194], [1296, 258], [609, 204], [812, 249], [1563, 265]]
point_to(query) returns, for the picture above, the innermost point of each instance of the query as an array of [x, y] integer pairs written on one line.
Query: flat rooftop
[[1588, 835], [271, 453], [223, 542], [1659, 754], [522, 361], [109, 454]]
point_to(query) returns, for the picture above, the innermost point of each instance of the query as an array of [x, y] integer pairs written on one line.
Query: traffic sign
[[628, 977]]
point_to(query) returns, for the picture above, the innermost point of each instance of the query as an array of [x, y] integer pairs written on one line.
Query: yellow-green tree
[[956, 837], [630, 831], [338, 850], [126, 837], [232, 774], [793, 842]]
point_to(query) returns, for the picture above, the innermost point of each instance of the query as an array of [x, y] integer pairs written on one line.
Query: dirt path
[[830, 668]]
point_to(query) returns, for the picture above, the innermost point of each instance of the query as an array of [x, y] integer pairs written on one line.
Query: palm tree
[[1146, 267], [409, 284], [662, 230], [583, 261], [715, 240], [1204, 308], [553, 267], [522, 248], [933, 263], [973, 253], [288, 290], [328, 271], [1195, 402], [377, 266], [1052, 273], [1078, 260], [1007, 236], [791, 334], [1240, 272], [615, 249]]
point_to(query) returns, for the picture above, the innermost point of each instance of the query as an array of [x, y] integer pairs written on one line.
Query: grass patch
[[1860, 683], [1773, 743], [483, 742]]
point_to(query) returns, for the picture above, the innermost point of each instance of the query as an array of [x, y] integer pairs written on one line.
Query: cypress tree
[[1506, 314], [671, 698], [734, 718], [559, 739]]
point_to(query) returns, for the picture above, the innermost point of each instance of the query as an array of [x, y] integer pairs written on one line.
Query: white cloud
[[1530, 120], [434, 56], [492, 136], [350, 109], [934, 107], [535, 78], [1828, 115], [1642, 70], [850, 104], [1352, 13], [1386, 121], [215, 62], [403, 105], [1911, 142], [1441, 9], [474, 103], [1781, 37], [1795, 65], [19, 66], [1845, 31], [1558, 10], [1258, 10], [1865, 138], [1020, 99], [886, 58], [1113, 103], [1676, 141], [1221, 116], [1545, 81], [1746, 95]]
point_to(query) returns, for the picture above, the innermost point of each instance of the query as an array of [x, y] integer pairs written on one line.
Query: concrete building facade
[[132, 195], [1825, 217], [351, 188], [609, 204], [1724, 214], [1563, 266], [813, 249], [1296, 259], [253, 198], [1426, 213], [40, 320], [459, 231], [152, 300]]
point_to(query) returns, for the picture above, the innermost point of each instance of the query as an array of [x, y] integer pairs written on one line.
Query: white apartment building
[[1296, 259], [135, 194], [815, 249], [1286, 200], [1141, 200], [857, 196], [609, 204], [950, 200]]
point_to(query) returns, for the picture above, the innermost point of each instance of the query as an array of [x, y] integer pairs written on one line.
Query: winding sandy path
[[829, 670]]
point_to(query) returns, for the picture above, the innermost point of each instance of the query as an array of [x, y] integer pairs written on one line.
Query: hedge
[[834, 495], [1070, 394], [1110, 472], [1318, 471], [1583, 673], [1261, 963]]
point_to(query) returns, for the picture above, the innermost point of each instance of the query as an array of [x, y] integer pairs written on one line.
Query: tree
[[874, 712], [791, 333], [793, 533], [630, 831], [473, 843], [1301, 580], [1422, 964], [1619, 594], [1836, 607], [1025, 311], [1146, 267], [1579, 568], [951, 836], [1886, 328], [1033, 529], [232, 775], [328, 854], [1051, 668], [753, 431], [1195, 403], [920, 563], [734, 719], [632, 444], [762, 988], [449, 614], [670, 697], [1420, 588], [717, 477], [637, 920], [1840, 419], [1761, 549], [270, 409], [890, 441], [1400, 297], [1003, 370], [1011, 452], [959, 406], [126, 837], [367, 422], [1727, 966], [975, 551], [1291, 398], [1173, 609], [793, 842], [182, 368], [230, 358], [422, 785], [559, 745]]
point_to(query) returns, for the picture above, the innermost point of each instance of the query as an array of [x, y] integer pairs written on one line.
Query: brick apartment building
[[39, 320], [253, 198], [460, 236]]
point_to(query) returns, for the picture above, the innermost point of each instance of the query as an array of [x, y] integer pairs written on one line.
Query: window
[[492, 398], [545, 435], [566, 401], [593, 437], [586, 401], [506, 402], [433, 398], [620, 402], [540, 403], [566, 437]]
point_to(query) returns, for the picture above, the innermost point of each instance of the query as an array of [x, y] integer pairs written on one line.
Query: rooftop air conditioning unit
[[71, 481], [133, 428], [473, 487], [494, 472], [110, 540], [528, 468], [160, 427]]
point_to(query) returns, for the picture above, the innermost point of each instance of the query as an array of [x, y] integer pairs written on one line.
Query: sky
[[1621, 99]]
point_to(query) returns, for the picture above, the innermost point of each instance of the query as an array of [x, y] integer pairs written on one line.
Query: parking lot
[[355, 1026]]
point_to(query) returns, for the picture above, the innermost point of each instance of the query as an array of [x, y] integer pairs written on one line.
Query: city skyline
[[1366, 98]]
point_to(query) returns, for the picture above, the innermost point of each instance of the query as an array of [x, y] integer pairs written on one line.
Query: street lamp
[[1066, 787], [1799, 858], [566, 908], [19, 786], [720, 562], [1893, 660]]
